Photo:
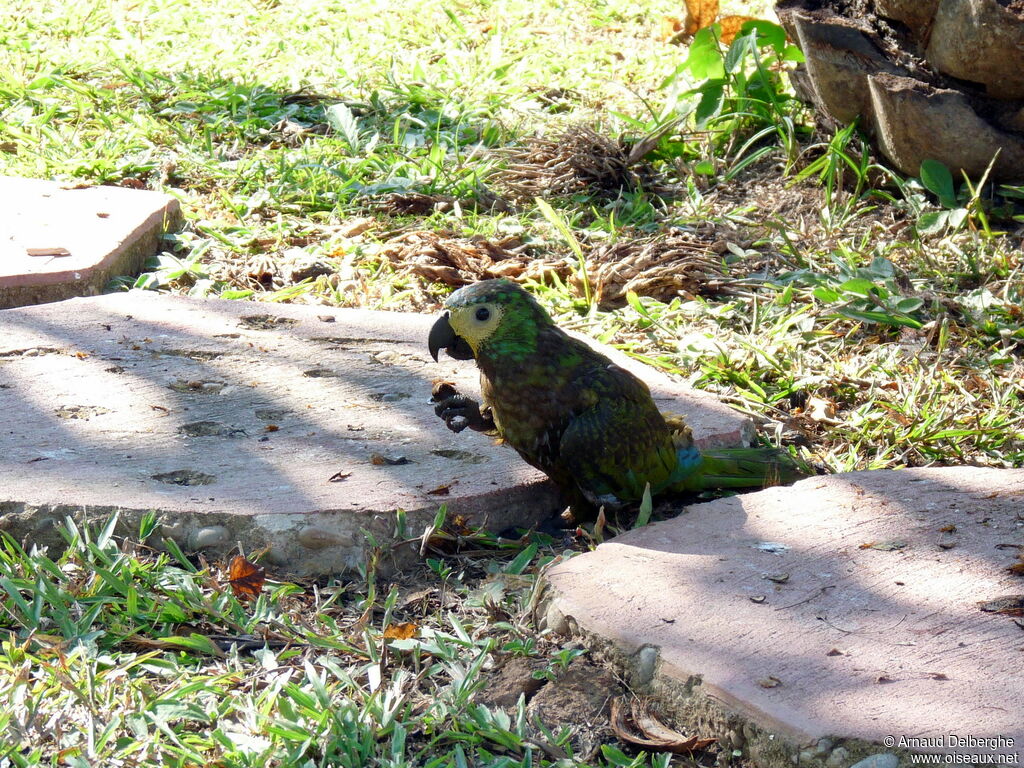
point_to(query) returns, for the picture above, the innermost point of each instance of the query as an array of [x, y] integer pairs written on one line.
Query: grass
[[863, 319], [115, 653]]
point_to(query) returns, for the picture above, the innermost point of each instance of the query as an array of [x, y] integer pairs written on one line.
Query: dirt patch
[[513, 680], [579, 699]]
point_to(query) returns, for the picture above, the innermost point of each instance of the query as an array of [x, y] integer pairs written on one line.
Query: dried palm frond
[[579, 161], [457, 261], [662, 266]]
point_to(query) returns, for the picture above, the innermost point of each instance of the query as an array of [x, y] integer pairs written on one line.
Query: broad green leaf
[[859, 286], [794, 54], [882, 266], [737, 52], [937, 179], [932, 222], [522, 560], [957, 217], [710, 103], [341, 119], [705, 59], [768, 33], [828, 295], [909, 304]]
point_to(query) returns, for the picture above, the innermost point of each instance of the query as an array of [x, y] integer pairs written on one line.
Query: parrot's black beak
[[442, 336]]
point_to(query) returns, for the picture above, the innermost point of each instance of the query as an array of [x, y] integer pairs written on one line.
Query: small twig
[[821, 591]]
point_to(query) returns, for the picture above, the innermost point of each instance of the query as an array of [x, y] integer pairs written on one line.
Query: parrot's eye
[[483, 314]]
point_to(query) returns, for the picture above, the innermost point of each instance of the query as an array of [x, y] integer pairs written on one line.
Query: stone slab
[[874, 630], [229, 418], [103, 232]]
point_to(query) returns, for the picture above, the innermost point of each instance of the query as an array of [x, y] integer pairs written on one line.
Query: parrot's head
[[491, 317]]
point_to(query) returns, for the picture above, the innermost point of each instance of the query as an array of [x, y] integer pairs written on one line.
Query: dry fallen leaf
[[948, 529], [338, 476], [884, 546], [769, 682], [731, 26], [778, 578], [380, 460], [48, 251], [700, 14], [670, 28], [246, 578], [442, 490], [1008, 605], [401, 631], [636, 725]]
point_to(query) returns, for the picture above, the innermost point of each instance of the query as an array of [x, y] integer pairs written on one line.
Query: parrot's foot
[[459, 411]]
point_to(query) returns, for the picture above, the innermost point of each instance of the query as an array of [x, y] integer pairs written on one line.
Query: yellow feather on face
[[476, 322]]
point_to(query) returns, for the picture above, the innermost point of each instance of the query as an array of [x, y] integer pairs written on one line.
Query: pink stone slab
[[82, 237], [102, 395], [875, 628]]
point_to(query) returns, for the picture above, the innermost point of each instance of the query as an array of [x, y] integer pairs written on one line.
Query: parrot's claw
[[456, 423], [458, 411]]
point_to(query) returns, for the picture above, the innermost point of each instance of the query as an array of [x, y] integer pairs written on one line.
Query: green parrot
[[569, 411]]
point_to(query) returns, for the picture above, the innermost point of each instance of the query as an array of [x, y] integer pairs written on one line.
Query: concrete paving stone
[[229, 418], [843, 607], [60, 240]]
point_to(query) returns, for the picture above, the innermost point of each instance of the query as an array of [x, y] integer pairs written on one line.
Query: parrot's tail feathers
[[743, 468]]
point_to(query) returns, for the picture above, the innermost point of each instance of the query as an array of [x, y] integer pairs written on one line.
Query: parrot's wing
[[617, 441]]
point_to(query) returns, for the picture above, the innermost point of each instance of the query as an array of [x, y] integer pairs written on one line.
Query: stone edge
[[127, 258], [699, 709]]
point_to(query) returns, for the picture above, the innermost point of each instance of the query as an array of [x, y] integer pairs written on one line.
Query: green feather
[[740, 468]]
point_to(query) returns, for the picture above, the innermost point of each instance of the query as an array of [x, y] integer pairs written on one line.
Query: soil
[[514, 679]]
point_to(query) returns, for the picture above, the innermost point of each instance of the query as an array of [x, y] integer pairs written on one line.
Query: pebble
[[208, 536], [838, 759], [555, 621], [881, 760], [646, 663]]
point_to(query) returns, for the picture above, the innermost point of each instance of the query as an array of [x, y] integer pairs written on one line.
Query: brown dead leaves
[[1007, 605], [663, 267], [580, 160], [444, 258], [701, 14], [634, 724], [246, 578]]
